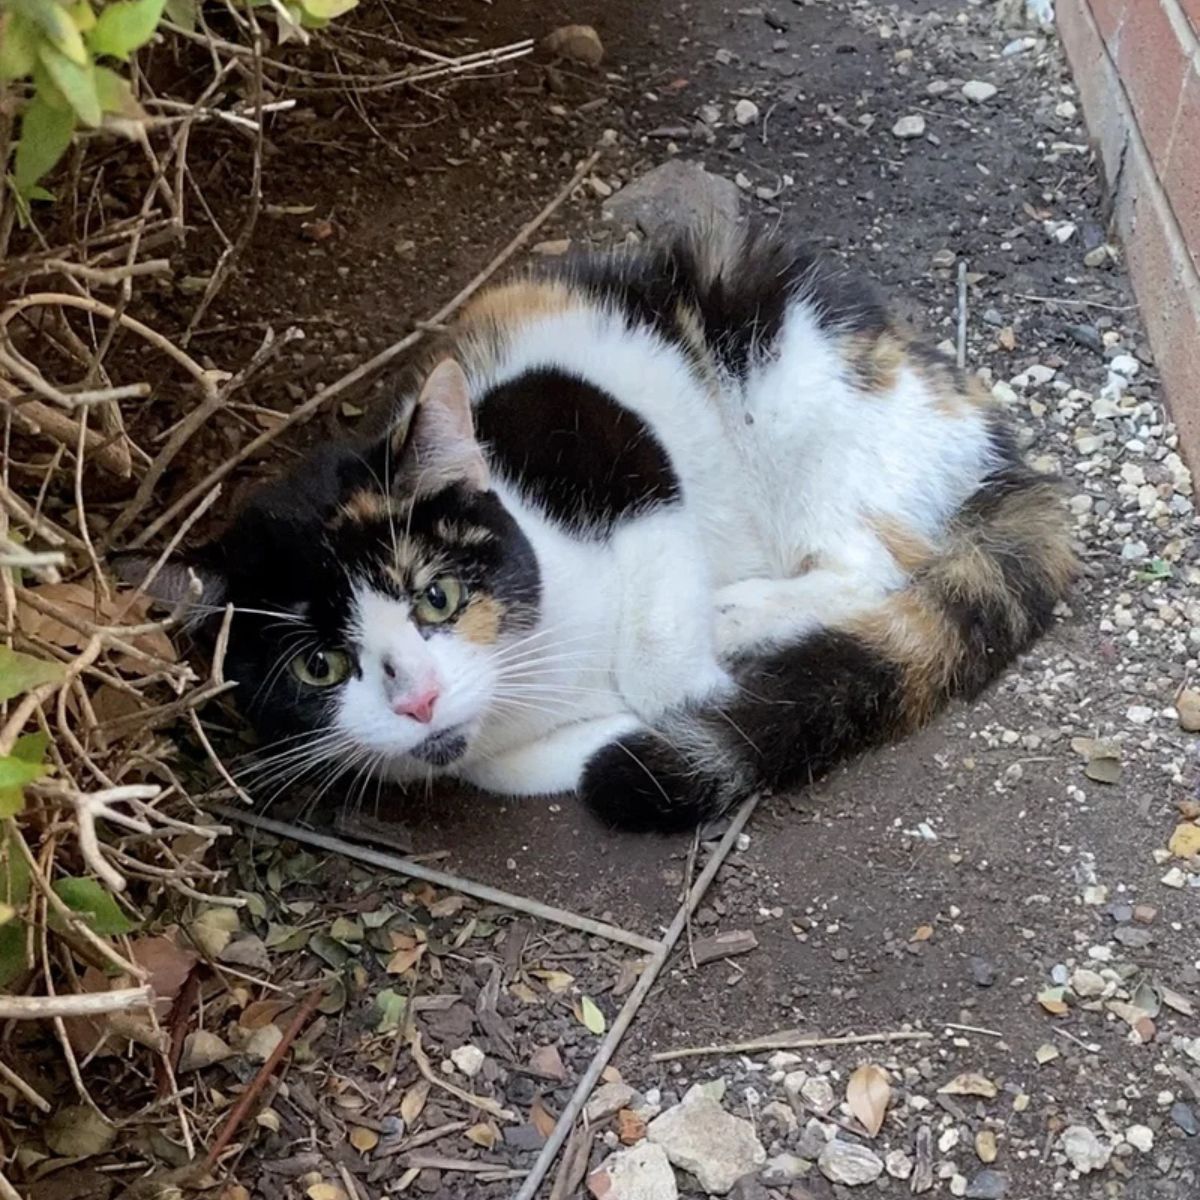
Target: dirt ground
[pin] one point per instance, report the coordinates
(951, 880)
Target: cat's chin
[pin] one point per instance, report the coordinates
(441, 749)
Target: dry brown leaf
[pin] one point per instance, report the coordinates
(262, 1012)
(868, 1093)
(402, 941)
(413, 1103)
(556, 982)
(269, 1119)
(546, 1060)
(922, 934)
(540, 1117)
(631, 1127)
(79, 602)
(485, 1134)
(363, 1139)
(970, 1083)
(448, 906)
(405, 960)
(325, 1191)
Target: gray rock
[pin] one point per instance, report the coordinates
(1084, 1150)
(812, 1140)
(909, 127)
(641, 1173)
(784, 1169)
(1133, 937)
(1184, 1118)
(606, 1100)
(700, 1137)
(978, 91)
(1087, 984)
(988, 1185)
(849, 1163)
(676, 195)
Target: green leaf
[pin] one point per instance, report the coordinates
(18, 46)
(95, 902)
(184, 13)
(124, 26)
(116, 96)
(14, 961)
(22, 766)
(55, 22)
(391, 1007)
(83, 15)
(23, 672)
(591, 1015)
(14, 873)
(76, 83)
(326, 10)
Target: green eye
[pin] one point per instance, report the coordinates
(321, 668)
(439, 601)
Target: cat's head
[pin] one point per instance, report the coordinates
(376, 591)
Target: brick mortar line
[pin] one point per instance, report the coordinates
(1158, 193)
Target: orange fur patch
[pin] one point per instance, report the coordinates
(366, 506)
(479, 622)
(876, 360)
(909, 549)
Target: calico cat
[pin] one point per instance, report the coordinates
(661, 528)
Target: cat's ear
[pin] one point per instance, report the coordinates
(438, 446)
(193, 586)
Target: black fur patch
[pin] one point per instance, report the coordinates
(588, 461)
(742, 311)
(641, 783)
(801, 709)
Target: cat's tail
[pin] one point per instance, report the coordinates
(968, 610)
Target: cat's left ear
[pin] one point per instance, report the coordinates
(438, 446)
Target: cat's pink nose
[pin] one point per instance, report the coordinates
(418, 705)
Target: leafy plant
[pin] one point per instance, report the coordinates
(64, 51)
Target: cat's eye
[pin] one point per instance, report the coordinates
(321, 668)
(439, 601)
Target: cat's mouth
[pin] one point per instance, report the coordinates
(441, 748)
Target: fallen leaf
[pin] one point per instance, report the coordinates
(269, 1119)
(541, 1118)
(78, 1131)
(1103, 770)
(1181, 1004)
(556, 982)
(213, 928)
(985, 1146)
(970, 1083)
(364, 1140)
(485, 1134)
(1051, 999)
(262, 1042)
(262, 1012)
(591, 1016)
(405, 960)
(318, 231)
(448, 906)
(202, 1049)
(923, 933)
(391, 1007)
(523, 992)
(413, 1103)
(868, 1093)
(346, 930)
(1185, 841)
(325, 1191)
(631, 1127)
(1045, 1053)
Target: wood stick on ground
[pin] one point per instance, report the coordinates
(246, 1100)
(650, 972)
(961, 347)
(84, 1004)
(373, 365)
(791, 1043)
(415, 870)
(26, 1089)
(480, 1102)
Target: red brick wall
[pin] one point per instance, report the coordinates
(1137, 64)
